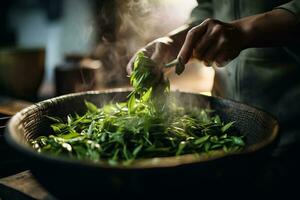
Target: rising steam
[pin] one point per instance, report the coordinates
(124, 26)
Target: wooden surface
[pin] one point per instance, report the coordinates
(22, 186)
(10, 107)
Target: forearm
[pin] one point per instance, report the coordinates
(278, 27)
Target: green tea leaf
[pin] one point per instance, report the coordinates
(207, 146)
(238, 141)
(131, 104)
(201, 139)
(137, 150)
(180, 148)
(227, 127)
(54, 119)
(91, 107)
(147, 95)
(91, 128)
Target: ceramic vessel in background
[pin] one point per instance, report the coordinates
(21, 72)
(77, 74)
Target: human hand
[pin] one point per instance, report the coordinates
(213, 42)
(160, 51)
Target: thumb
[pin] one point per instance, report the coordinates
(160, 53)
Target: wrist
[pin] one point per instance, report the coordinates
(245, 32)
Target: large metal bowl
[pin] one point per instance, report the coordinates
(68, 178)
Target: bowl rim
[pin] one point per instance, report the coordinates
(149, 163)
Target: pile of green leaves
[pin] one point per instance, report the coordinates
(139, 128)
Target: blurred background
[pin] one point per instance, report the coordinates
(54, 47)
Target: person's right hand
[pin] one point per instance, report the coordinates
(161, 50)
(214, 41)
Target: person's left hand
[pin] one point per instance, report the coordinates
(213, 41)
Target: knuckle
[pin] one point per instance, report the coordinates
(212, 37)
(215, 32)
(192, 32)
(217, 28)
(223, 42)
(209, 21)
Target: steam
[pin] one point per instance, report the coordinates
(124, 26)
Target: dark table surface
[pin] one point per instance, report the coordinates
(15, 181)
(10, 162)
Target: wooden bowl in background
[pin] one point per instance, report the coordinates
(21, 72)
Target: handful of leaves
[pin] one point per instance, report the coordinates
(143, 127)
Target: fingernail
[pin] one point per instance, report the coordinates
(180, 66)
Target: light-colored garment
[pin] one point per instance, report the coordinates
(268, 78)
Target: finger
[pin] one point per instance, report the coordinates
(129, 66)
(211, 53)
(159, 56)
(160, 53)
(193, 35)
(210, 39)
(201, 46)
(210, 56)
(148, 50)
